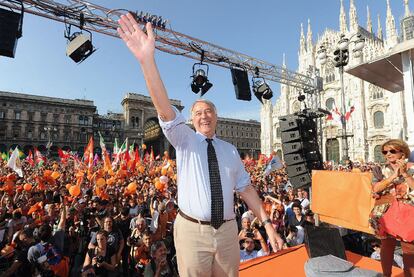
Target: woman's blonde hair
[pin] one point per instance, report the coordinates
(398, 144)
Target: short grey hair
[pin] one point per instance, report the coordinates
(202, 100)
(140, 219)
(155, 246)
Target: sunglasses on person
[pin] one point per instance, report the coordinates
(392, 151)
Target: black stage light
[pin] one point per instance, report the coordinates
(200, 79)
(79, 47)
(261, 89)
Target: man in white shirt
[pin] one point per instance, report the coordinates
(303, 198)
(209, 170)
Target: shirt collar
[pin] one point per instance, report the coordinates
(202, 137)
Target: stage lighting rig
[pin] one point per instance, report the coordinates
(156, 21)
(79, 45)
(260, 88)
(200, 77)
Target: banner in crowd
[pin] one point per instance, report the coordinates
(343, 198)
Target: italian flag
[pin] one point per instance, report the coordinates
(350, 111)
(335, 114)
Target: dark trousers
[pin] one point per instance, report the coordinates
(387, 256)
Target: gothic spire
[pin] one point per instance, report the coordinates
(342, 19)
(353, 18)
(369, 22)
(407, 8)
(309, 43)
(302, 40)
(379, 35)
(391, 31)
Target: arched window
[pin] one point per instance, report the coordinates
(81, 120)
(379, 120)
(332, 150)
(378, 157)
(133, 121)
(330, 104)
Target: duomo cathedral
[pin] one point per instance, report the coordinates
(374, 114)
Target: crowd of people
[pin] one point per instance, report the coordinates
(60, 219)
(106, 218)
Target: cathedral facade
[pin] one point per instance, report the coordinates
(374, 114)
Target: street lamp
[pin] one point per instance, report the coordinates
(140, 134)
(341, 59)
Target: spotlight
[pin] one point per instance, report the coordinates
(79, 47)
(156, 21)
(200, 80)
(261, 89)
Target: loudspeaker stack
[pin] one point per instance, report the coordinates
(300, 148)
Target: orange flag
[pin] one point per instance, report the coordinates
(88, 155)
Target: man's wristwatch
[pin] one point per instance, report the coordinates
(266, 222)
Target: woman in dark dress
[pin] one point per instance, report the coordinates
(101, 260)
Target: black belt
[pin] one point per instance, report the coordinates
(196, 220)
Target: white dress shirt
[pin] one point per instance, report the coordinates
(193, 184)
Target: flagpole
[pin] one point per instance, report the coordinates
(343, 120)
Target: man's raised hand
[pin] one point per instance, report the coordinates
(142, 45)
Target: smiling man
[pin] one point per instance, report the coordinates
(209, 170)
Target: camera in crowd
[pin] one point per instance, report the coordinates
(100, 259)
(135, 241)
(249, 234)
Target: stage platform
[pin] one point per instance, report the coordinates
(291, 262)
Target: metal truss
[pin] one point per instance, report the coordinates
(102, 20)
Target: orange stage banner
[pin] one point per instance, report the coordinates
(342, 198)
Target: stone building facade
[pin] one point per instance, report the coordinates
(244, 134)
(29, 121)
(378, 114)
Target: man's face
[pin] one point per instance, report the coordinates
(161, 253)
(140, 225)
(249, 244)
(297, 210)
(204, 119)
(147, 241)
(108, 224)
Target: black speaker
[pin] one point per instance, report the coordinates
(321, 241)
(300, 181)
(10, 31)
(241, 84)
(300, 148)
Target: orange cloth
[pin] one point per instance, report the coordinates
(343, 198)
(291, 262)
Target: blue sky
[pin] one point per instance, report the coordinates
(263, 29)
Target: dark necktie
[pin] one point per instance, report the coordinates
(215, 187)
